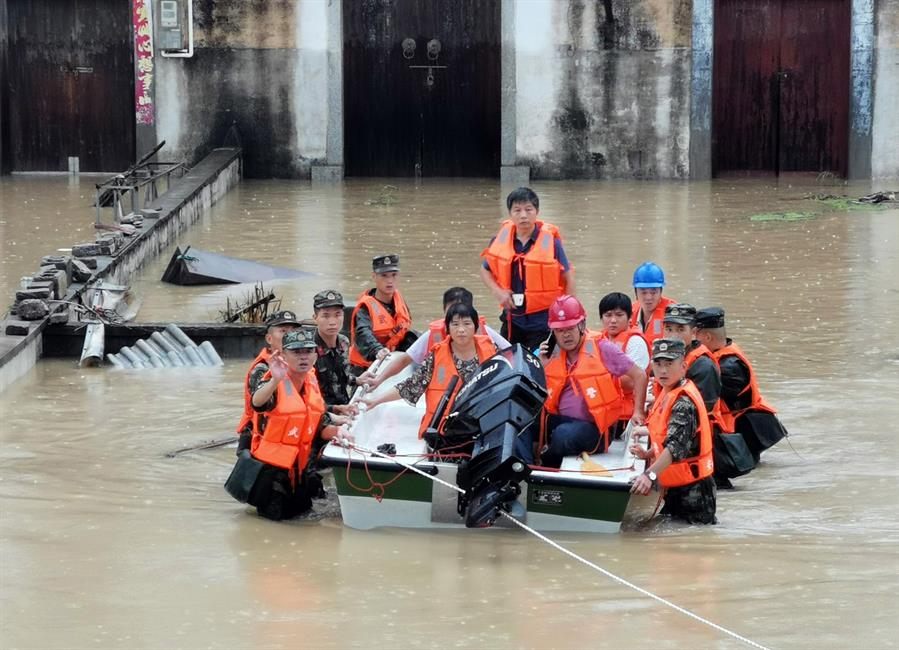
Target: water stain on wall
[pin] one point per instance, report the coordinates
(622, 96)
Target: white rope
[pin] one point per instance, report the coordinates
(575, 556)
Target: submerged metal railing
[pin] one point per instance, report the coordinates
(137, 185)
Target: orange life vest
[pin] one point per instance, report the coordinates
(290, 427)
(539, 268)
(689, 470)
(249, 414)
(437, 331)
(589, 378)
(758, 403)
(389, 330)
(444, 371)
(621, 340)
(654, 328)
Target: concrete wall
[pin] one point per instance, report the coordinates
(264, 65)
(885, 145)
(603, 88)
(591, 88)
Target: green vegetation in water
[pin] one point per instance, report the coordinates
(385, 197)
(783, 216)
(830, 203)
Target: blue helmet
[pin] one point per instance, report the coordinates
(649, 275)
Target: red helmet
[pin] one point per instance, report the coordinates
(566, 311)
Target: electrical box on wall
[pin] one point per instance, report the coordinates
(174, 27)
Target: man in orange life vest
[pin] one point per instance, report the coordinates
(380, 322)
(679, 457)
(743, 409)
(291, 413)
(277, 325)
(584, 400)
(437, 332)
(525, 268)
(649, 308)
(615, 313)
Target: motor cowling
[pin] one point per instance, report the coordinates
(502, 399)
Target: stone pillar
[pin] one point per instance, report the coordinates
(703, 46)
(333, 170)
(511, 173)
(861, 82)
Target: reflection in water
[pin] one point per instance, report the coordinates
(107, 543)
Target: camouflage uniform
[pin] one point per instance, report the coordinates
(694, 503)
(333, 370)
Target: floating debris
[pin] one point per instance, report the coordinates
(255, 308)
(385, 197)
(193, 266)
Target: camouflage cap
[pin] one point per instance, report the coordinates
(385, 263)
(681, 314)
(282, 318)
(710, 318)
(300, 339)
(327, 298)
(668, 349)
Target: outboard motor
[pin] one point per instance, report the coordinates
(493, 408)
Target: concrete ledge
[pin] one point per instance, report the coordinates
(230, 340)
(514, 175)
(327, 173)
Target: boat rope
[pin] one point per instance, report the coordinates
(571, 554)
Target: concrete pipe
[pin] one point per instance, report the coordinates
(193, 356)
(212, 356)
(172, 351)
(155, 361)
(94, 340)
(157, 350)
(129, 354)
(176, 333)
(117, 361)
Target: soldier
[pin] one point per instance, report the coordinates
(680, 455)
(291, 414)
(702, 369)
(277, 325)
(380, 322)
(743, 409)
(333, 364)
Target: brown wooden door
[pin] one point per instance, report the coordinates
(781, 85)
(71, 81)
(409, 112)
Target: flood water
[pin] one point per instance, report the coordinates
(105, 543)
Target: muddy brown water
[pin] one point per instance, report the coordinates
(105, 543)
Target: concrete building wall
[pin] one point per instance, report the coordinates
(603, 88)
(262, 65)
(885, 141)
(591, 88)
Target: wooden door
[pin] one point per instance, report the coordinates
(413, 111)
(71, 81)
(781, 85)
